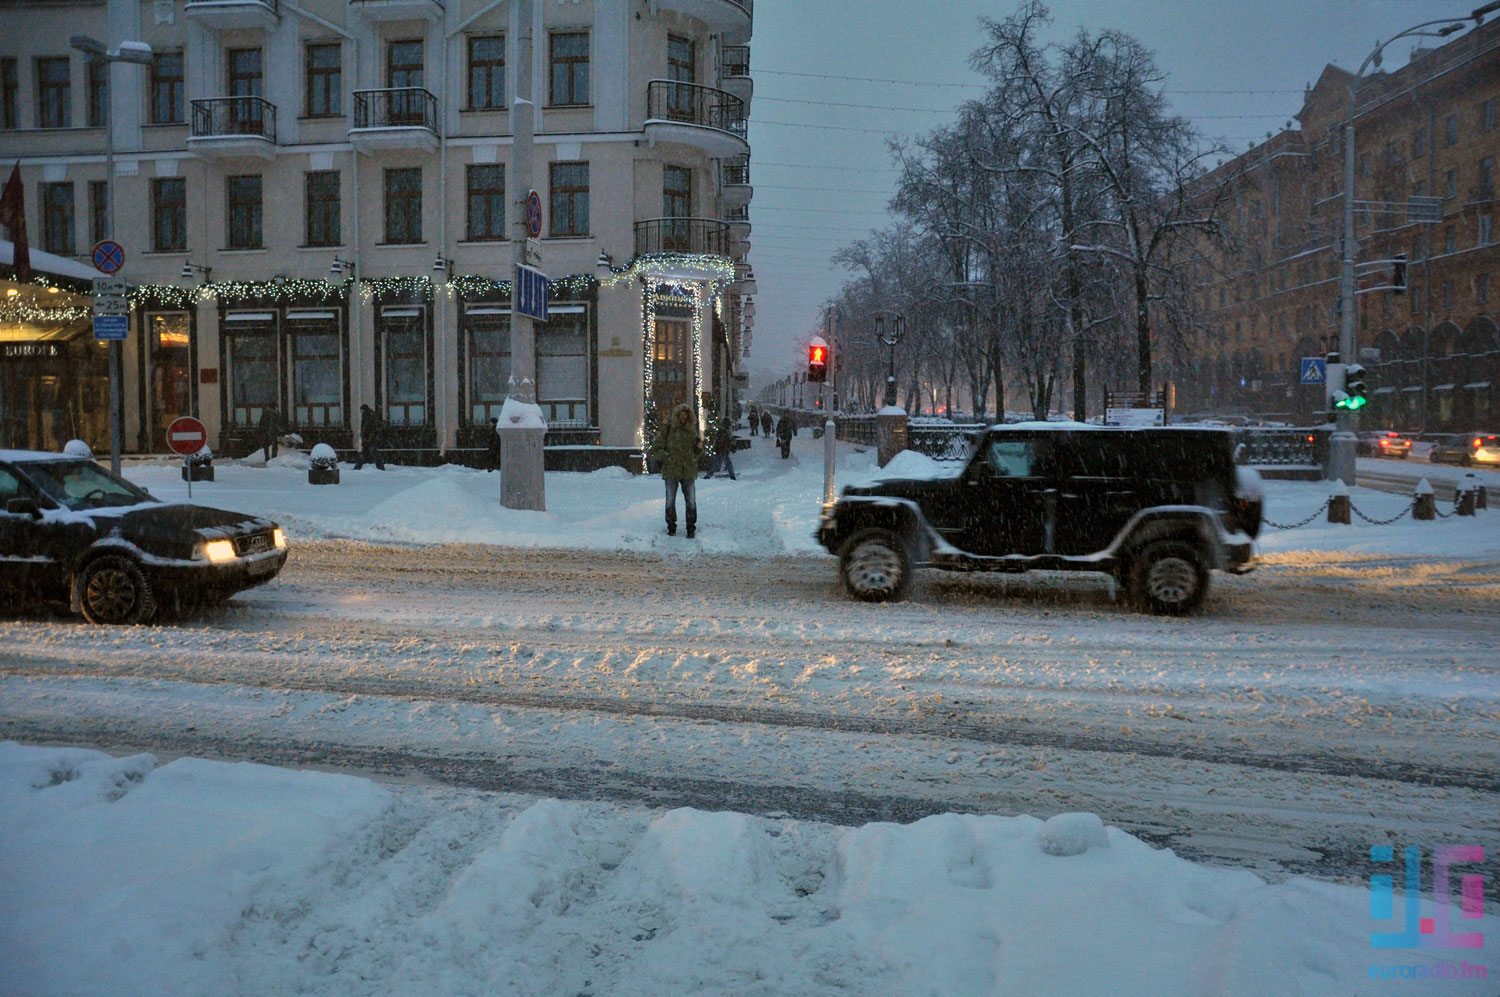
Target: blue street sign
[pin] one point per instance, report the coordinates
(530, 292)
(1314, 370)
(109, 256)
(111, 327)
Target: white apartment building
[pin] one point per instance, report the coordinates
(314, 203)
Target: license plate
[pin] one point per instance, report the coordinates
(262, 567)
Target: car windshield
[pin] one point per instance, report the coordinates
(82, 484)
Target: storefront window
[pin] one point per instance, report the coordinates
(487, 344)
(171, 372)
(251, 342)
(404, 355)
(317, 369)
(562, 358)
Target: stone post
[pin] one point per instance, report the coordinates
(890, 433)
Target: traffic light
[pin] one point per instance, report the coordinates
(1398, 273)
(1356, 395)
(1333, 372)
(817, 361)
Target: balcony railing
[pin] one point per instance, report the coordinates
(734, 60)
(1480, 194)
(229, 117)
(695, 104)
(395, 107)
(735, 172)
(707, 236)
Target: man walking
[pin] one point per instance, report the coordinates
(723, 450)
(371, 431)
(676, 449)
(270, 430)
(754, 420)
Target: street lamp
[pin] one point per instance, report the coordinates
(890, 334)
(140, 54)
(1341, 449)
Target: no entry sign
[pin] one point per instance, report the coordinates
(186, 435)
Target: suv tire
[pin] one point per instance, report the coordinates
(113, 589)
(1168, 577)
(875, 566)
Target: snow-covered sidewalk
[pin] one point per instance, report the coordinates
(124, 876)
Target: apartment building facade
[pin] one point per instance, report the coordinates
(316, 204)
(1426, 147)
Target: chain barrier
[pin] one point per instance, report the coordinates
(1381, 522)
(1292, 526)
(1447, 515)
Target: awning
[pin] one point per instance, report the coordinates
(1476, 385)
(1442, 387)
(48, 263)
(52, 332)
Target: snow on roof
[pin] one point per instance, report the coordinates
(29, 456)
(49, 263)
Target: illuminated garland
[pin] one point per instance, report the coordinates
(14, 312)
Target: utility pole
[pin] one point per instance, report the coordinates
(522, 428)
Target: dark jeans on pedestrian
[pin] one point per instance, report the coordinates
(270, 445)
(721, 459)
(370, 453)
(689, 488)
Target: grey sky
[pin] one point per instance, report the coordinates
(822, 175)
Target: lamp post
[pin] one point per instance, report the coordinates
(1341, 451)
(890, 334)
(139, 53)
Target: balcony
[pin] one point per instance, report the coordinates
(730, 18)
(734, 71)
(739, 223)
(665, 247)
(691, 114)
(229, 127)
(1482, 194)
(228, 15)
(394, 118)
(397, 10)
(734, 182)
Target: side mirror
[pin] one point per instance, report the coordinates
(23, 507)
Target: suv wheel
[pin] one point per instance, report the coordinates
(115, 590)
(1168, 577)
(875, 566)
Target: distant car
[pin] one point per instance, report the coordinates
(1155, 508)
(73, 533)
(1383, 443)
(1465, 449)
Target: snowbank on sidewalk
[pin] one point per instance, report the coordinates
(126, 877)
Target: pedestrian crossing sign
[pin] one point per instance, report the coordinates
(1314, 370)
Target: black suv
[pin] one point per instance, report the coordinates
(1155, 508)
(71, 532)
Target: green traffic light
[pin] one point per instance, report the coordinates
(1352, 404)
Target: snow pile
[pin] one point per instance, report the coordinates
(123, 877)
(911, 465)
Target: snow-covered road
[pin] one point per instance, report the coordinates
(1321, 703)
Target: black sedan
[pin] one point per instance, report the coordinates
(71, 532)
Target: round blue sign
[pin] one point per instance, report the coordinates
(534, 214)
(109, 256)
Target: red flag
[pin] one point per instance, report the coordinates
(13, 216)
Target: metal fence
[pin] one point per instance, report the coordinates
(1303, 448)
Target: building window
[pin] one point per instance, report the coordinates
(569, 57)
(682, 66)
(57, 218)
(245, 77)
(10, 89)
(1487, 114)
(404, 355)
(325, 80)
(322, 211)
(403, 205)
(167, 89)
(1419, 143)
(677, 204)
(250, 343)
(54, 93)
(1450, 129)
(98, 91)
(562, 366)
(1482, 288)
(98, 210)
(404, 70)
(486, 72)
(1485, 235)
(570, 199)
(244, 212)
(1487, 178)
(1450, 183)
(486, 203)
(317, 386)
(169, 215)
(1447, 295)
(1450, 239)
(487, 345)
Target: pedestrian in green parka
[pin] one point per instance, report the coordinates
(676, 449)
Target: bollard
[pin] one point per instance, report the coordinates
(1481, 497)
(1463, 502)
(324, 469)
(1471, 485)
(1424, 502)
(1338, 504)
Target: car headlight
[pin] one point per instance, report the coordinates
(278, 538)
(219, 550)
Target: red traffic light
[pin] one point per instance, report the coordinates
(817, 354)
